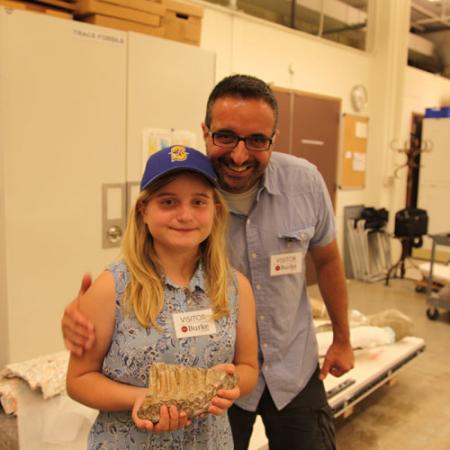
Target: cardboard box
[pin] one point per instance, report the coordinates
(149, 6)
(438, 112)
(123, 9)
(60, 4)
(124, 25)
(182, 22)
(33, 7)
(183, 8)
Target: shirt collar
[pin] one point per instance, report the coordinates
(197, 280)
(270, 180)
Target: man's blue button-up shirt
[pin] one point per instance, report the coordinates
(292, 212)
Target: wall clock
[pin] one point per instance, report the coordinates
(358, 97)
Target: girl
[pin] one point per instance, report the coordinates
(174, 270)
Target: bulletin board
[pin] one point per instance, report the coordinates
(352, 174)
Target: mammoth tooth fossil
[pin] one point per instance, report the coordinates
(190, 389)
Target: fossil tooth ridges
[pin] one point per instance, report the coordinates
(190, 389)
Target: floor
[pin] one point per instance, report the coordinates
(8, 432)
(414, 412)
(411, 414)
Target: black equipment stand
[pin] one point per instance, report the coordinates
(407, 244)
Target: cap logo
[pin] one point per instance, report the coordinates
(178, 153)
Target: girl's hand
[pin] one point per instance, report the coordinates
(142, 424)
(169, 418)
(225, 397)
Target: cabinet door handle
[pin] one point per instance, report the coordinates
(114, 234)
(113, 214)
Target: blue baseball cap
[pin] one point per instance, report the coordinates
(177, 158)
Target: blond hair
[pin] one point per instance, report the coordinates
(144, 293)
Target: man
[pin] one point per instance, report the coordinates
(280, 209)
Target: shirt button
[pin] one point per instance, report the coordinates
(265, 345)
(248, 221)
(261, 317)
(254, 255)
(258, 286)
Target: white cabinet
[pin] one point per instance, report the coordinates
(434, 178)
(169, 90)
(74, 99)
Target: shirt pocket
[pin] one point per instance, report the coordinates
(295, 240)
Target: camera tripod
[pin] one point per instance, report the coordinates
(400, 266)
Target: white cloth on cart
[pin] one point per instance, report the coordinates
(47, 418)
(360, 337)
(54, 424)
(371, 331)
(45, 373)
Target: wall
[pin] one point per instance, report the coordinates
(422, 90)
(389, 63)
(4, 313)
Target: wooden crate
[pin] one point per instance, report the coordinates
(50, 7)
(149, 6)
(68, 5)
(140, 11)
(182, 22)
(124, 25)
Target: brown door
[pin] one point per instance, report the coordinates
(309, 128)
(285, 101)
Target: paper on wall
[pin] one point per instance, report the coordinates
(154, 139)
(361, 130)
(359, 162)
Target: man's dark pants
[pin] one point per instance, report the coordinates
(306, 423)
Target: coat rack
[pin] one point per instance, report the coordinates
(410, 153)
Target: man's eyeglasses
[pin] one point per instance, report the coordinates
(254, 142)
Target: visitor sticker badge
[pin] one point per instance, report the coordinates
(286, 263)
(194, 323)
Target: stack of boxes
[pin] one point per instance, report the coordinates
(142, 16)
(58, 8)
(170, 19)
(182, 22)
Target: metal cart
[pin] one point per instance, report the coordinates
(434, 300)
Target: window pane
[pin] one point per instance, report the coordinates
(220, 2)
(429, 39)
(271, 10)
(343, 21)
